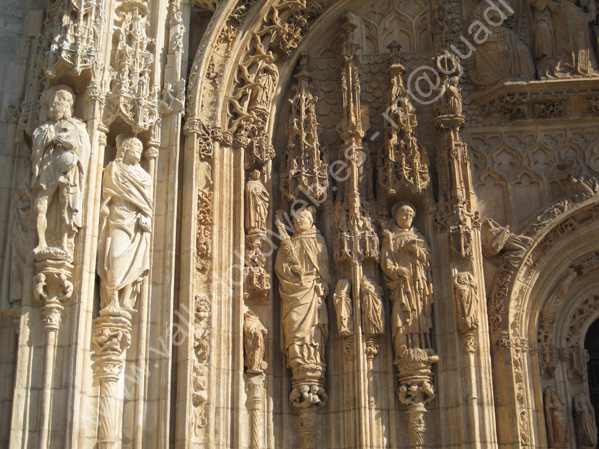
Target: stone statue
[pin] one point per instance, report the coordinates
(575, 181)
(586, 425)
(343, 307)
(498, 239)
(373, 319)
(563, 39)
(256, 204)
(466, 295)
(555, 417)
(60, 156)
(405, 261)
(302, 266)
(126, 223)
(254, 334)
(450, 101)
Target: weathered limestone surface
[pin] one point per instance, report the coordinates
(298, 223)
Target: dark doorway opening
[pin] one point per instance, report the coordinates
(591, 344)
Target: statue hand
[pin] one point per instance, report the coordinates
(321, 289)
(105, 212)
(145, 223)
(297, 269)
(403, 272)
(62, 139)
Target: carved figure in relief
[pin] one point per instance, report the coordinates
(502, 56)
(373, 319)
(60, 156)
(584, 417)
(498, 239)
(256, 203)
(556, 419)
(19, 244)
(405, 261)
(467, 298)
(343, 307)
(562, 39)
(575, 181)
(126, 222)
(302, 266)
(254, 335)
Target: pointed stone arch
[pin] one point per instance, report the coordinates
(521, 299)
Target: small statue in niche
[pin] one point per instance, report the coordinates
(60, 156)
(498, 239)
(126, 222)
(450, 101)
(373, 319)
(555, 417)
(466, 295)
(586, 425)
(256, 204)
(343, 307)
(254, 335)
(302, 266)
(405, 261)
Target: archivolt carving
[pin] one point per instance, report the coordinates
(201, 359)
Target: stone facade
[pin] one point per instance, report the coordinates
(298, 223)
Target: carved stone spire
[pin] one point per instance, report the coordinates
(303, 172)
(404, 162)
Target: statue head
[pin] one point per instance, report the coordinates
(128, 149)
(404, 214)
(303, 220)
(61, 99)
(255, 175)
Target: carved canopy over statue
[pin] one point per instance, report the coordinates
(60, 156)
(302, 266)
(126, 211)
(405, 260)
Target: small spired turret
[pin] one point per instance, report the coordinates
(303, 167)
(404, 165)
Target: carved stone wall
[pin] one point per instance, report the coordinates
(255, 224)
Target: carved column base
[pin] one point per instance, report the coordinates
(414, 372)
(111, 337)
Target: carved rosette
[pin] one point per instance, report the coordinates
(403, 165)
(303, 171)
(414, 373)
